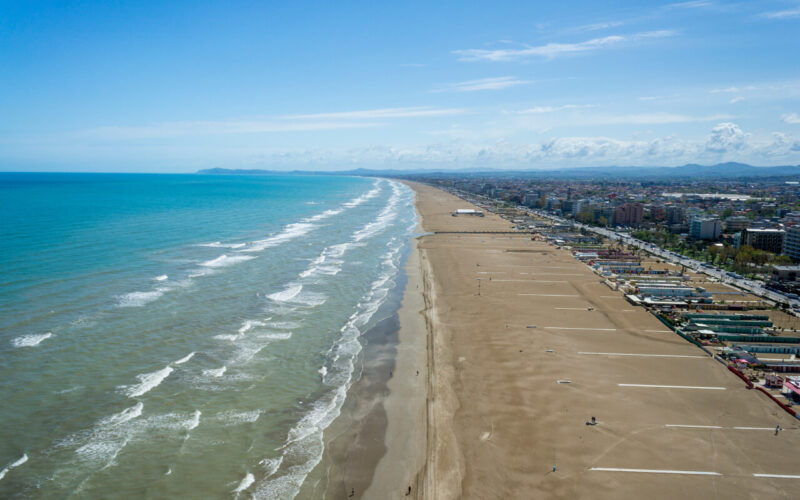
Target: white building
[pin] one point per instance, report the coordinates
(791, 242)
(705, 229)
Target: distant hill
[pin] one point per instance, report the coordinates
(730, 170)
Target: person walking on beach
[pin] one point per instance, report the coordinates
(778, 429)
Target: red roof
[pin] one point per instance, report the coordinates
(792, 387)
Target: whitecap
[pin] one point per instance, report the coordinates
(290, 232)
(248, 480)
(226, 260)
(13, 465)
(123, 416)
(163, 277)
(385, 217)
(364, 197)
(148, 381)
(249, 325)
(304, 441)
(30, 340)
(185, 358)
(237, 417)
(310, 299)
(138, 299)
(226, 337)
(246, 353)
(195, 420)
(218, 244)
(215, 372)
(288, 294)
(324, 215)
(285, 325)
(271, 465)
(279, 336)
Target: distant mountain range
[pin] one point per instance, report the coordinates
(730, 170)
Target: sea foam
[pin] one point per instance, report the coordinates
(226, 260)
(148, 381)
(123, 416)
(304, 441)
(290, 232)
(138, 299)
(287, 294)
(30, 340)
(248, 480)
(215, 372)
(185, 358)
(13, 465)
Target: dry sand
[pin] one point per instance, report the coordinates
(497, 420)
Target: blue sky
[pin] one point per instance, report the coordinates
(177, 86)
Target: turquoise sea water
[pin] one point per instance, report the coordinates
(183, 336)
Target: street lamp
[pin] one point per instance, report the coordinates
(479, 286)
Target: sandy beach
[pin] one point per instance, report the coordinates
(508, 379)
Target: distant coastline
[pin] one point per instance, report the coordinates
(730, 171)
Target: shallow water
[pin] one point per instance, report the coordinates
(183, 336)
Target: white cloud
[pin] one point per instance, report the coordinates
(498, 83)
(781, 14)
(725, 137)
(736, 99)
(781, 145)
(649, 98)
(726, 142)
(552, 50)
(792, 118)
(552, 109)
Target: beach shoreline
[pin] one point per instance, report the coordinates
(367, 449)
(405, 438)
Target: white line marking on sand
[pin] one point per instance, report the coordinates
(492, 272)
(694, 426)
(778, 476)
(531, 281)
(674, 387)
(548, 268)
(571, 328)
(658, 471)
(720, 427)
(544, 295)
(644, 355)
(556, 274)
